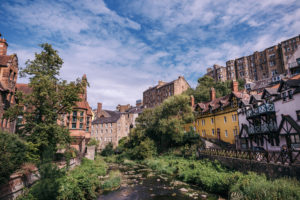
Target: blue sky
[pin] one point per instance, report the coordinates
(125, 46)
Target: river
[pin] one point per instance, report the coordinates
(140, 183)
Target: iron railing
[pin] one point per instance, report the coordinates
(262, 109)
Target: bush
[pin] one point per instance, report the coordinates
(108, 150)
(93, 142)
(12, 155)
(112, 182)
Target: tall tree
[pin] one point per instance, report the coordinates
(50, 96)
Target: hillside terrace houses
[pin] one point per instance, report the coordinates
(111, 126)
(271, 119)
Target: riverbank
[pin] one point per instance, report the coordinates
(141, 182)
(214, 178)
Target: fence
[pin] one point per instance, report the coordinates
(276, 157)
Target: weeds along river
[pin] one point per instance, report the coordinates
(141, 183)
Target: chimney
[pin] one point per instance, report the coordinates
(235, 86)
(192, 100)
(99, 109)
(212, 94)
(3, 46)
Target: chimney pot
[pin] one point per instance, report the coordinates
(192, 101)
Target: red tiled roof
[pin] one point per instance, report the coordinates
(23, 87)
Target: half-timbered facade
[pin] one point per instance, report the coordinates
(272, 118)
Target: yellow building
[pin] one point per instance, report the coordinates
(218, 118)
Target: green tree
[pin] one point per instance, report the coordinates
(50, 97)
(162, 126)
(205, 83)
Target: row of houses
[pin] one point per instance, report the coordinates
(269, 120)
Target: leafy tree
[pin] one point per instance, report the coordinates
(162, 126)
(50, 97)
(205, 83)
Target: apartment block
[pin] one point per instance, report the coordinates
(156, 95)
(271, 63)
(217, 72)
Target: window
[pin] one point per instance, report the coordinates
(213, 131)
(105, 125)
(212, 120)
(235, 132)
(298, 61)
(234, 117)
(225, 119)
(110, 130)
(203, 133)
(226, 133)
(203, 122)
(81, 125)
(73, 125)
(298, 114)
(81, 113)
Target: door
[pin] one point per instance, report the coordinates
(219, 134)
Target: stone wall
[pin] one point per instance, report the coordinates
(269, 169)
(19, 181)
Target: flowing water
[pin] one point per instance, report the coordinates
(140, 183)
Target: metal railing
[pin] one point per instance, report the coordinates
(275, 157)
(264, 108)
(264, 128)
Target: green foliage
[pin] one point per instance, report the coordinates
(212, 177)
(13, 153)
(81, 183)
(49, 98)
(93, 142)
(205, 83)
(112, 182)
(108, 150)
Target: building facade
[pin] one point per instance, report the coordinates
(217, 72)
(272, 119)
(8, 78)
(111, 126)
(267, 64)
(154, 96)
(218, 118)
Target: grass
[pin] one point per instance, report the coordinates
(214, 178)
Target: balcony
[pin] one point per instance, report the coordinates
(264, 128)
(260, 110)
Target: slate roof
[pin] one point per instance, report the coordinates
(114, 116)
(292, 83)
(135, 110)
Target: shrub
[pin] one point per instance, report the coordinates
(93, 142)
(12, 155)
(108, 150)
(112, 182)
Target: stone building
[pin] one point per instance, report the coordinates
(217, 72)
(156, 95)
(271, 63)
(8, 78)
(111, 126)
(294, 63)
